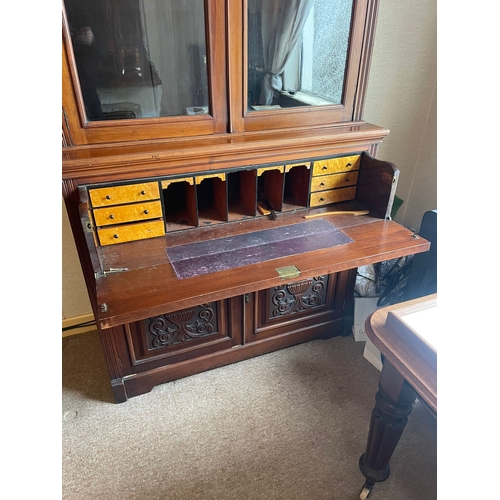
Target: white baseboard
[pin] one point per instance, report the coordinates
(76, 320)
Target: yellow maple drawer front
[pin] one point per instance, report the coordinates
(333, 196)
(127, 213)
(130, 232)
(324, 182)
(117, 195)
(333, 165)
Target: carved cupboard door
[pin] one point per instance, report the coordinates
(315, 306)
(181, 335)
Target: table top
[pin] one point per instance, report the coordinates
(406, 334)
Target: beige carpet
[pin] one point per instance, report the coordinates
(289, 425)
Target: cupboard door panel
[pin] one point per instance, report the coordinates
(183, 335)
(294, 306)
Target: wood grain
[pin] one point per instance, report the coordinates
(133, 295)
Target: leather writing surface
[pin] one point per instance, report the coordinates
(251, 248)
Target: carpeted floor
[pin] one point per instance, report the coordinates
(289, 425)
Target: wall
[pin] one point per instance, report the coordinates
(75, 301)
(401, 96)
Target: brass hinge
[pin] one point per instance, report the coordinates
(111, 270)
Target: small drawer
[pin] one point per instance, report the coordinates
(127, 213)
(130, 232)
(118, 195)
(332, 196)
(334, 165)
(324, 182)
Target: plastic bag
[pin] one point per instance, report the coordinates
(391, 279)
(366, 281)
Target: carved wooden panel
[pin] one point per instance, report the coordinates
(298, 296)
(181, 335)
(299, 307)
(181, 326)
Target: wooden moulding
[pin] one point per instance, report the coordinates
(131, 160)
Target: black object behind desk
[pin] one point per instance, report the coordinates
(423, 274)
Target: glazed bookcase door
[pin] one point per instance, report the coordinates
(253, 113)
(137, 70)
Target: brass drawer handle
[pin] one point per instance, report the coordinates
(115, 236)
(325, 167)
(143, 192)
(146, 212)
(108, 197)
(349, 165)
(322, 184)
(347, 179)
(321, 199)
(111, 216)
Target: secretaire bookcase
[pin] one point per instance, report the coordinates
(221, 185)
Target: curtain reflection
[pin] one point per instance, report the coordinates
(297, 52)
(282, 25)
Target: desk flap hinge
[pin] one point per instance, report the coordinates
(111, 270)
(288, 272)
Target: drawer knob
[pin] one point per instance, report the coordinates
(108, 197)
(322, 184)
(111, 216)
(143, 192)
(349, 165)
(325, 167)
(321, 199)
(347, 179)
(146, 212)
(115, 236)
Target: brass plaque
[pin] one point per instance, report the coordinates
(288, 272)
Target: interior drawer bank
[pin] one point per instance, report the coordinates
(144, 209)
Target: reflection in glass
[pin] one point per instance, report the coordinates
(297, 52)
(140, 58)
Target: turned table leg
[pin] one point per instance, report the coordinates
(393, 403)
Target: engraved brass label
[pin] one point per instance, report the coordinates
(288, 272)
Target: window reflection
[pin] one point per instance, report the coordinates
(297, 52)
(140, 58)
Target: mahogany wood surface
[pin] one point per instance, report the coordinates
(403, 352)
(150, 286)
(176, 156)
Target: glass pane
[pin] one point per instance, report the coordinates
(140, 58)
(297, 52)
